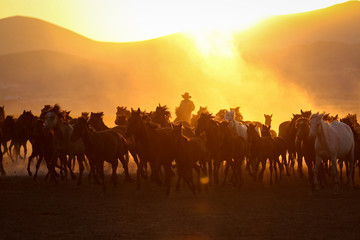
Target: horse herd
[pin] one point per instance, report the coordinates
(201, 147)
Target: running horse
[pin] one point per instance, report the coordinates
(333, 141)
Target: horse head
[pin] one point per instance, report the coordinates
(203, 123)
(315, 124)
(79, 128)
(229, 115)
(268, 119)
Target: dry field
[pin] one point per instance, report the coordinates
(286, 210)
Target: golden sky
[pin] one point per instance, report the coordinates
(134, 20)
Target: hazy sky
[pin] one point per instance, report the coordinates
(132, 20)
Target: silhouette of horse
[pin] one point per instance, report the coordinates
(122, 116)
(348, 120)
(100, 146)
(287, 131)
(328, 118)
(62, 144)
(261, 149)
(305, 147)
(22, 132)
(8, 130)
(153, 145)
(195, 117)
(221, 145)
(332, 141)
(234, 149)
(41, 148)
(279, 149)
(161, 116)
(268, 123)
(97, 123)
(190, 154)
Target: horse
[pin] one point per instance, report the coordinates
(305, 147)
(332, 141)
(122, 116)
(234, 150)
(195, 117)
(8, 130)
(41, 148)
(268, 123)
(100, 146)
(190, 154)
(161, 116)
(236, 126)
(97, 123)
(153, 145)
(63, 146)
(279, 148)
(288, 132)
(21, 134)
(261, 149)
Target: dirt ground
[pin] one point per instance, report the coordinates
(285, 210)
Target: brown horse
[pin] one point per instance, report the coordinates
(280, 149)
(261, 149)
(161, 116)
(190, 154)
(8, 131)
(287, 131)
(22, 132)
(268, 119)
(101, 146)
(154, 146)
(122, 116)
(195, 117)
(234, 149)
(305, 147)
(97, 123)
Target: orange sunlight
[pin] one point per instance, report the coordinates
(135, 20)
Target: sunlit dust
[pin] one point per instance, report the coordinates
(204, 180)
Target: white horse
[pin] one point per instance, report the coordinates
(239, 128)
(332, 141)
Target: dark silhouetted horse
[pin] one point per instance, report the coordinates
(153, 145)
(100, 146)
(261, 149)
(190, 154)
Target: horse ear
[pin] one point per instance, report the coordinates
(271, 115)
(301, 111)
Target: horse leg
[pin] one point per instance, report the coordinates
(316, 168)
(351, 166)
(227, 165)
(300, 160)
(100, 169)
(80, 158)
(38, 166)
(125, 164)
(25, 150)
(263, 166)
(168, 173)
(68, 162)
(114, 165)
(341, 164)
(29, 162)
(271, 170)
(335, 175)
(2, 171)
